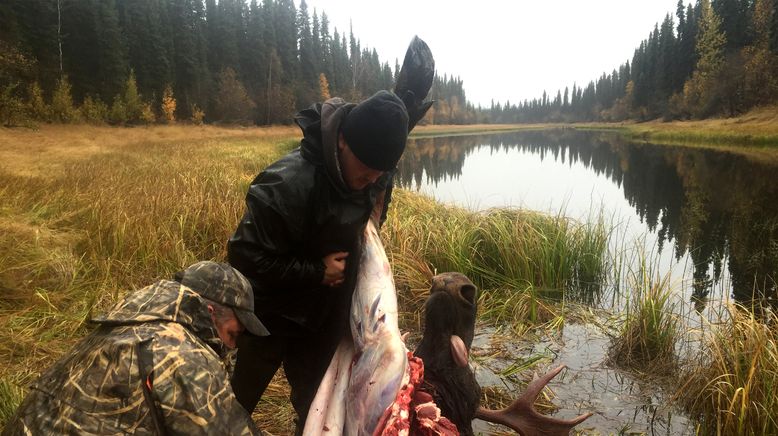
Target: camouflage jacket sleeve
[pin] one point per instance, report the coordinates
(193, 393)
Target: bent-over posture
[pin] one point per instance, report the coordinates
(152, 365)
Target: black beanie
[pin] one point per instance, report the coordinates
(376, 130)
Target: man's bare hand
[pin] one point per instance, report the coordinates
(335, 265)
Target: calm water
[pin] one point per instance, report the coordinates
(709, 218)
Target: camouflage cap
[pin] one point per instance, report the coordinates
(225, 285)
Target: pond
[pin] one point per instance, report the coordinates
(709, 218)
(706, 218)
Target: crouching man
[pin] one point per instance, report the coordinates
(153, 364)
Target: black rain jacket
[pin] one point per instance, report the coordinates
(298, 210)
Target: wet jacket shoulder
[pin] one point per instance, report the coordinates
(298, 210)
(146, 369)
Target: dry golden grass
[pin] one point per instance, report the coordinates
(467, 129)
(759, 121)
(29, 151)
(730, 387)
(753, 134)
(90, 213)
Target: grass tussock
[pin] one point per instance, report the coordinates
(515, 257)
(730, 387)
(650, 330)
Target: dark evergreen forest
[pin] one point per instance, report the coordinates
(711, 58)
(232, 61)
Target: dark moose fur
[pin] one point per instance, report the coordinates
(450, 310)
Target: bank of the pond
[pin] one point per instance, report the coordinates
(755, 131)
(432, 130)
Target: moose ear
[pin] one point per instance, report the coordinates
(468, 292)
(459, 351)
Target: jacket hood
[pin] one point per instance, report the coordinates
(164, 301)
(321, 125)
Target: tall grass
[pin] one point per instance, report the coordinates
(730, 386)
(88, 214)
(515, 256)
(651, 328)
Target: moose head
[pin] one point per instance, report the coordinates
(450, 314)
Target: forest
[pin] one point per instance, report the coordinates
(258, 62)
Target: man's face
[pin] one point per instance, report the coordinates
(228, 328)
(356, 174)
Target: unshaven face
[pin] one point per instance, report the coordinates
(228, 328)
(356, 174)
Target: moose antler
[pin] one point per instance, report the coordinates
(522, 417)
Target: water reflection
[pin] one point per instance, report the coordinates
(719, 208)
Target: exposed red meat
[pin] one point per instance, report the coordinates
(414, 412)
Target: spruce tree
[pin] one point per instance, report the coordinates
(686, 44)
(212, 27)
(112, 57)
(148, 48)
(285, 17)
(254, 58)
(734, 22)
(131, 100)
(190, 72)
(316, 43)
(228, 31)
(667, 60)
(308, 73)
(62, 108)
(79, 45)
(35, 24)
(701, 95)
(761, 64)
(327, 59)
(355, 63)
(774, 29)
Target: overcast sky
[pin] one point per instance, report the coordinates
(505, 49)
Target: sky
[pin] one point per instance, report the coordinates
(506, 50)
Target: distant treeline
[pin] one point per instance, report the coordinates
(123, 61)
(141, 61)
(719, 58)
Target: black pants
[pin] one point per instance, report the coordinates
(305, 360)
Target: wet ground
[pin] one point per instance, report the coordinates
(621, 404)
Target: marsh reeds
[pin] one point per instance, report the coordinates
(730, 386)
(650, 327)
(519, 259)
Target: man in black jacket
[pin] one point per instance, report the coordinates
(299, 240)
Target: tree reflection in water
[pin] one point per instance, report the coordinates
(717, 206)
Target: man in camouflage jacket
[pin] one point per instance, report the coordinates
(151, 366)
